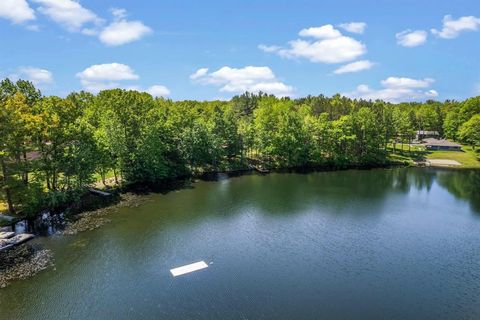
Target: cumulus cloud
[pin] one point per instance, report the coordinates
(105, 76)
(239, 80)
(354, 27)
(409, 38)
(452, 28)
(354, 67)
(113, 75)
(402, 82)
(68, 13)
(76, 18)
(108, 71)
(158, 91)
(199, 73)
(327, 46)
(155, 90)
(324, 32)
(122, 31)
(39, 77)
(17, 11)
(397, 89)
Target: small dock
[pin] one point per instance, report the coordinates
(259, 169)
(262, 170)
(100, 192)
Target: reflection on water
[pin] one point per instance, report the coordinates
(369, 244)
(463, 185)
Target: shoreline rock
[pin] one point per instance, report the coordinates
(23, 262)
(91, 220)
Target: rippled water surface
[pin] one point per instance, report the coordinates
(377, 244)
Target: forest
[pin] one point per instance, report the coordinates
(53, 148)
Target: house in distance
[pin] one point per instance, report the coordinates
(441, 144)
(422, 134)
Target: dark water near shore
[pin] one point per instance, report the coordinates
(376, 244)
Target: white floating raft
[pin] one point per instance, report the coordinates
(188, 268)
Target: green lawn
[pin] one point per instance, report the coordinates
(406, 154)
(466, 157)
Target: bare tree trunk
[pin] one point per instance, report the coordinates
(103, 178)
(8, 193)
(115, 175)
(47, 179)
(25, 170)
(54, 180)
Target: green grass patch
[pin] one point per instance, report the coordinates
(467, 157)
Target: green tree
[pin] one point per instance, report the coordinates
(469, 132)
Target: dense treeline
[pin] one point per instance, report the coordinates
(51, 148)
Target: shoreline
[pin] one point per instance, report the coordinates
(90, 204)
(22, 262)
(27, 260)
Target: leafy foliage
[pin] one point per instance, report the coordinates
(52, 148)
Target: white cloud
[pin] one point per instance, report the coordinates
(199, 73)
(105, 76)
(155, 90)
(396, 89)
(354, 67)
(119, 13)
(108, 71)
(268, 49)
(401, 82)
(68, 13)
(122, 31)
(409, 38)
(96, 86)
(239, 80)
(17, 11)
(354, 27)
(452, 28)
(111, 75)
(324, 32)
(329, 46)
(76, 18)
(158, 91)
(39, 77)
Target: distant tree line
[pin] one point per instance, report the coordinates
(51, 148)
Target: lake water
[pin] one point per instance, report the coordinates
(373, 244)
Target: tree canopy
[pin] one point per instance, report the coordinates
(52, 148)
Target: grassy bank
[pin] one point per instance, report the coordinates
(466, 157)
(402, 155)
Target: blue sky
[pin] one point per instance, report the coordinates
(290, 48)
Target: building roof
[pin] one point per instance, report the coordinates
(441, 143)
